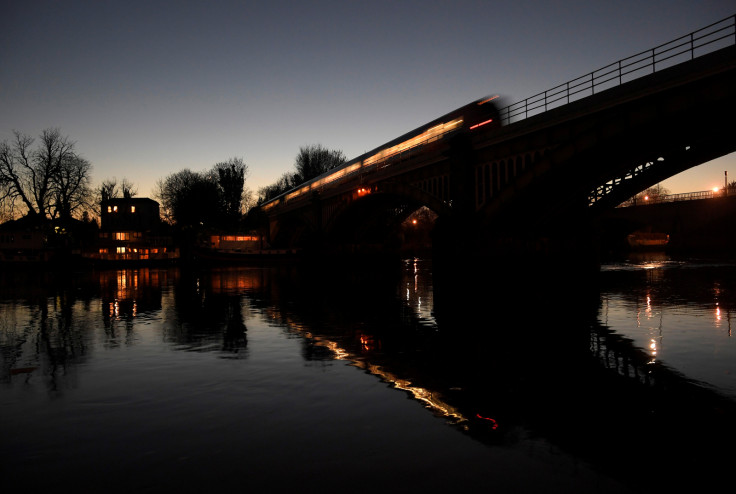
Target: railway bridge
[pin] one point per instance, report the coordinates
(534, 175)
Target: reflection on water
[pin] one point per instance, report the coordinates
(287, 377)
(678, 312)
(643, 260)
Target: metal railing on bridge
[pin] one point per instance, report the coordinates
(705, 40)
(687, 196)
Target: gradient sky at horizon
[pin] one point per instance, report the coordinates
(148, 88)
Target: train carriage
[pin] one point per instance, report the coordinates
(467, 118)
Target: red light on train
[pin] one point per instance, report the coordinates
(488, 99)
(494, 424)
(480, 124)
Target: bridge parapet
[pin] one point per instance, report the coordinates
(703, 41)
(685, 196)
(558, 163)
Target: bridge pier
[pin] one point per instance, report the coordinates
(515, 259)
(702, 226)
(520, 197)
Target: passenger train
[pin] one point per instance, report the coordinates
(466, 118)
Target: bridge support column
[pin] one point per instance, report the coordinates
(463, 247)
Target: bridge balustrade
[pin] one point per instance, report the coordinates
(513, 172)
(685, 196)
(705, 40)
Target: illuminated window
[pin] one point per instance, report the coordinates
(109, 209)
(115, 209)
(238, 238)
(121, 250)
(122, 235)
(103, 251)
(132, 209)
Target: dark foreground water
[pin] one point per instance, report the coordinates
(284, 379)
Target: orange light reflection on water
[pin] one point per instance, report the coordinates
(429, 398)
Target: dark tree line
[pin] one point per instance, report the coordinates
(312, 161)
(212, 198)
(50, 180)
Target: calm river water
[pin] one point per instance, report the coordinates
(285, 378)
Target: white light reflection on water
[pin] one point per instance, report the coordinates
(248, 376)
(678, 311)
(638, 261)
(150, 395)
(419, 291)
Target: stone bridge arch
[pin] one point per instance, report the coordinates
(374, 218)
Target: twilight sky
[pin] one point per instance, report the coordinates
(148, 88)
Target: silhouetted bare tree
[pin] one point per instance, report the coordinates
(212, 198)
(231, 179)
(169, 190)
(48, 180)
(71, 188)
(285, 182)
(127, 188)
(652, 194)
(314, 160)
(311, 162)
(109, 189)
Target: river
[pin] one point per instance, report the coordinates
(367, 379)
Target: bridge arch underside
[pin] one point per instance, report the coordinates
(370, 223)
(603, 150)
(373, 223)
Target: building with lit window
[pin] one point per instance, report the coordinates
(237, 243)
(19, 243)
(131, 230)
(234, 247)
